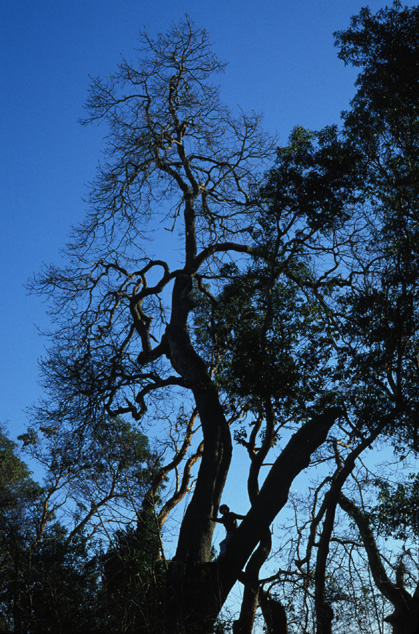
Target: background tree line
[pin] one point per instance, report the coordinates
(226, 292)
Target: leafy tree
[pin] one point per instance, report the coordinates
(57, 579)
(94, 475)
(19, 495)
(396, 513)
(46, 585)
(134, 579)
(367, 280)
(59, 585)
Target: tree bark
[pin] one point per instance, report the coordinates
(324, 612)
(194, 545)
(198, 591)
(274, 493)
(191, 577)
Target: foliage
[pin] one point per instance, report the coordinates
(53, 579)
(46, 585)
(268, 341)
(134, 578)
(91, 471)
(397, 511)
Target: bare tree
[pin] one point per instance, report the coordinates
(181, 177)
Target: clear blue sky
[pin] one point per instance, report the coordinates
(281, 61)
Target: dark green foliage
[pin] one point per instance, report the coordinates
(17, 489)
(134, 577)
(383, 121)
(19, 496)
(397, 511)
(315, 179)
(55, 581)
(383, 125)
(59, 586)
(385, 48)
(98, 464)
(269, 342)
(46, 585)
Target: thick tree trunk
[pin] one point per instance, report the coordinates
(404, 619)
(194, 545)
(191, 577)
(205, 587)
(274, 493)
(198, 588)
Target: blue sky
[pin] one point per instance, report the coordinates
(281, 61)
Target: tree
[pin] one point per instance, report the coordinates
(134, 578)
(18, 495)
(370, 582)
(404, 619)
(173, 147)
(46, 584)
(95, 475)
(305, 277)
(59, 585)
(371, 298)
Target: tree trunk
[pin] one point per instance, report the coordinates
(199, 591)
(404, 619)
(244, 624)
(191, 577)
(274, 493)
(324, 611)
(194, 545)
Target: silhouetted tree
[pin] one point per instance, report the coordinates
(281, 305)
(46, 584)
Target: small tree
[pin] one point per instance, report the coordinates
(46, 585)
(134, 579)
(95, 476)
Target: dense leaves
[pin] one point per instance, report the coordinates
(46, 585)
(316, 178)
(397, 511)
(268, 342)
